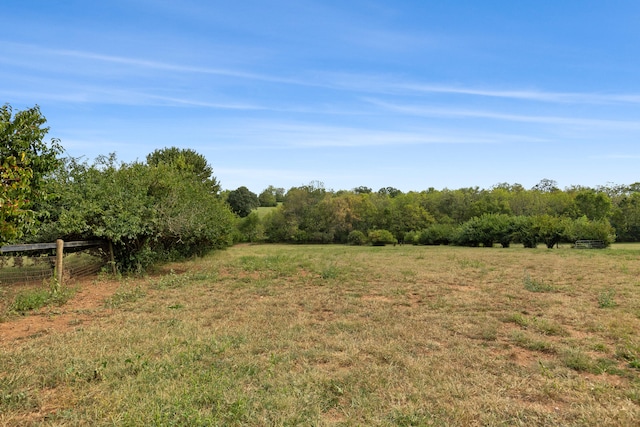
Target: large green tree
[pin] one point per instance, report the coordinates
(593, 204)
(242, 201)
(626, 216)
(267, 197)
(26, 159)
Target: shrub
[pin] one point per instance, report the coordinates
(357, 238)
(381, 237)
(484, 230)
(583, 228)
(551, 229)
(149, 213)
(411, 237)
(250, 229)
(525, 231)
(437, 234)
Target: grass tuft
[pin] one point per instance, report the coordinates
(34, 299)
(127, 293)
(532, 343)
(533, 285)
(172, 281)
(606, 299)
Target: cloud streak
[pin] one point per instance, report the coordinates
(146, 64)
(381, 84)
(525, 95)
(426, 111)
(392, 85)
(287, 135)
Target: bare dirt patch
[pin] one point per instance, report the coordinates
(86, 305)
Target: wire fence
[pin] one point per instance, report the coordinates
(37, 263)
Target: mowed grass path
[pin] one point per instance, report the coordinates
(333, 335)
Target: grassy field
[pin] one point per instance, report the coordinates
(263, 211)
(333, 335)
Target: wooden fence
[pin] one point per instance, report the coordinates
(59, 246)
(590, 244)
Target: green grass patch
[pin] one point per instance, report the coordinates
(265, 210)
(532, 342)
(34, 299)
(606, 299)
(533, 285)
(127, 293)
(538, 324)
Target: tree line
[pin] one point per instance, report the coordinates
(171, 206)
(503, 214)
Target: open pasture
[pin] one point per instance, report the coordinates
(335, 335)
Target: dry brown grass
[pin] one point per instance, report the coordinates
(334, 335)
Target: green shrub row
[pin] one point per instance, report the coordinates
(489, 229)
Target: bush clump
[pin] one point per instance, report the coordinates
(150, 212)
(357, 238)
(381, 237)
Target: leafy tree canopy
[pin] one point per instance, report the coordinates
(25, 160)
(242, 201)
(362, 190)
(546, 186)
(186, 160)
(15, 179)
(389, 191)
(268, 197)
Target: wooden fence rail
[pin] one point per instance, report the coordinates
(59, 246)
(54, 245)
(590, 244)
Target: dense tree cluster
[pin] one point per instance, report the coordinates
(503, 214)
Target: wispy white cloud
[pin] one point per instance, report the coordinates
(288, 135)
(348, 82)
(525, 95)
(196, 103)
(139, 63)
(426, 111)
(77, 93)
(392, 84)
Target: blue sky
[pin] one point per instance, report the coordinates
(406, 94)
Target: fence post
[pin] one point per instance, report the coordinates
(59, 266)
(112, 259)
